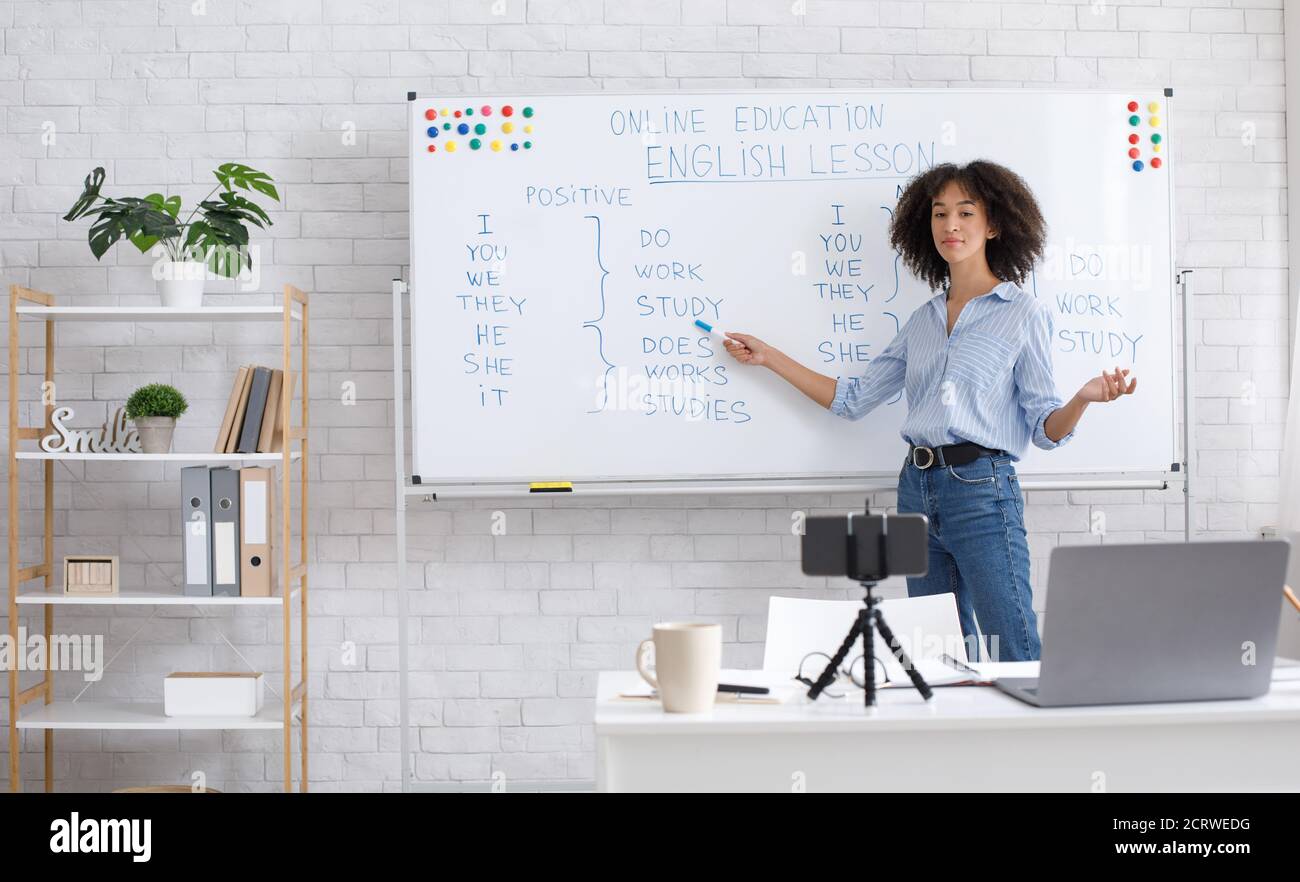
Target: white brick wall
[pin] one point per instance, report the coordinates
(509, 631)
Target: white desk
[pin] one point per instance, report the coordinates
(965, 739)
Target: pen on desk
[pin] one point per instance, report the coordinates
(743, 690)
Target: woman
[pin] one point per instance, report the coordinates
(976, 364)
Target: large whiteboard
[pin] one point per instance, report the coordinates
(557, 269)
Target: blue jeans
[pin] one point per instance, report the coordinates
(978, 551)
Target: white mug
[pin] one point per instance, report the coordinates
(688, 661)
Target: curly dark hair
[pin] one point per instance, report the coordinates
(1008, 202)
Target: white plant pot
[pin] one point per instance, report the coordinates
(155, 433)
(180, 282)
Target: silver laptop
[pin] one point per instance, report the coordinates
(1158, 622)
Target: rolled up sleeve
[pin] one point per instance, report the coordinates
(855, 397)
(1035, 385)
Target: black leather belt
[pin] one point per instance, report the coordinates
(949, 454)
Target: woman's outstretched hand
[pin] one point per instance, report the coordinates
(747, 349)
(1108, 387)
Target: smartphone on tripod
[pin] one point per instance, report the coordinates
(830, 540)
(867, 548)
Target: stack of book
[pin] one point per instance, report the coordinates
(255, 411)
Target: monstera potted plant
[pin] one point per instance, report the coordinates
(154, 409)
(213, 237)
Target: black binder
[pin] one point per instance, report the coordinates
(253, 414)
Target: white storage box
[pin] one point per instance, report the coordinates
(190, 694)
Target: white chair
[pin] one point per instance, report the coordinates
(926, 627)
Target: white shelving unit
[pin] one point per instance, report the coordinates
(51, 715)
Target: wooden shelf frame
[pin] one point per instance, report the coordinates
(25, 303)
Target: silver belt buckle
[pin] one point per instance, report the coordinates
(929, 462)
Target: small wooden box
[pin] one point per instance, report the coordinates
(90, 574)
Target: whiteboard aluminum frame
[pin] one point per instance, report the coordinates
(853, 482)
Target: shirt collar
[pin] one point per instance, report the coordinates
(1005, 290)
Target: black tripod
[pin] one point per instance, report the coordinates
(869, 620)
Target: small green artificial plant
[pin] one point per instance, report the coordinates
(156, 400)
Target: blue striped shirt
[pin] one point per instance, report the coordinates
(990, 382)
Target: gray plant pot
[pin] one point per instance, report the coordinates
(155, 433)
